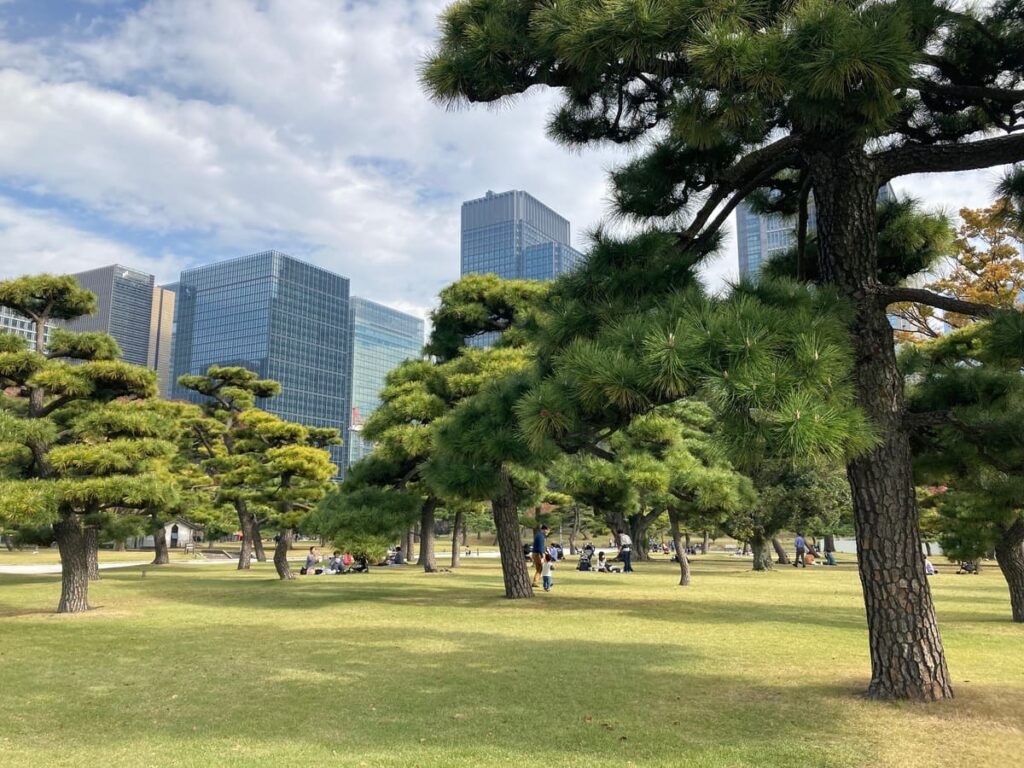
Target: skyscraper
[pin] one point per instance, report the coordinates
(382, 338)
(280, 317)
(515, 236)
(124, 306)
(759, 237)
(161, 335)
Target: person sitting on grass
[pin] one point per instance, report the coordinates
(311, 562)
(929, 569)
(603, 566)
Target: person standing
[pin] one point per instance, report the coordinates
(625, 551)
(801, 551)
(546, 572)
(539, 550)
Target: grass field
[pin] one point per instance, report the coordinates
(190, 666)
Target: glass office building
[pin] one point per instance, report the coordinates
(515, 236)
(280, 317)
(19, 325)
(124, 306)
(382, 339)
(759, 237)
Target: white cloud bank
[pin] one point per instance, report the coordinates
(222, 127)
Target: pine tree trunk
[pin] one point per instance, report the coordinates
(706, 544)
(119, 546)
(408, 545)
(830, 542)
(457, 529)
(506, 521)
(281, 549)
(686, 542)
(8, 542)
(574, 532)
(1010, 556)
(638, 527)
(928, 548)
(92, 552)
(257, 541)
(684, 563)
(74, 560)
(245, 523)
(762, 555)
(907, 658)
(780, 551)
(160, 555)
(427, 559)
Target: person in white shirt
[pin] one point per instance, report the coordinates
(625, 551)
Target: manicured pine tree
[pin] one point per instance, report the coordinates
(77, 443)
(727, 99)
(230, 392)
(282, 466)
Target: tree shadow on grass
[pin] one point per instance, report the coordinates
(446, 693)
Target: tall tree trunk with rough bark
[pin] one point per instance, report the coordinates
(409, 536)
(457, 529)
(1010, 556)
(762, 555)
(257, 541)
(92, 552)
(638, 526)
(684, 563)
(74, 560)
(160, 555)
(706, 543)
(245, 523)
(574, 532)
(281, 550)
(427, 559)
(506, 521)
(8, 542)
(780, 551)
(907, 658)
(119, 545)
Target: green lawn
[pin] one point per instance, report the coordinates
(208, 666)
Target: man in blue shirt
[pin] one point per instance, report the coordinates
(538, 552)
(801, 549)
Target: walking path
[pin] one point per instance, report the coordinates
(54, 568)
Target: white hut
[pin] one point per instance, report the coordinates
(178, 533)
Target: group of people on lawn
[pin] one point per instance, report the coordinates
(545, 557)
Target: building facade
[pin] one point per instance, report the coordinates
(760, 237)
(279, 317)
(12, 322)
(516, 237)
(382, 339)
(161, 336)
(124, 306)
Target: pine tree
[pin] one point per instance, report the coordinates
(78, 440)
(967, 399)
(833, 98)
(283, 467)
(230, 392)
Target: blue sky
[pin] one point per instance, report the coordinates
(168, 133)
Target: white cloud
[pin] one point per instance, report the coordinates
(297, 125)
(290, 124)
(36, 241)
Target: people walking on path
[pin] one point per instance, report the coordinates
(801, 551)
(625, 551)
(539, 550)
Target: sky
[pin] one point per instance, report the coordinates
(164, 134)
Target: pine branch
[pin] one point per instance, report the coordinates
(1004, 95)
(745, 176)
(898, 294)
(944, 158)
